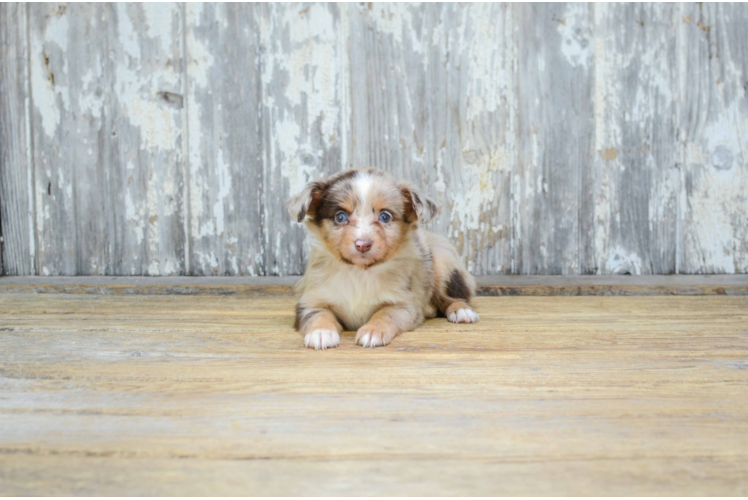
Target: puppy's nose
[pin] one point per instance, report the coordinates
(363, 246)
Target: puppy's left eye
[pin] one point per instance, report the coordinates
(385, 217)
(341, 217)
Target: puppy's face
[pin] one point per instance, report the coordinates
(361, 216)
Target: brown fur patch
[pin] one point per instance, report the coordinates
(303, 316)
(457, 287)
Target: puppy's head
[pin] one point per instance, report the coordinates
(361, 216)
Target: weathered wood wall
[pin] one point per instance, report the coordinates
(162, 139)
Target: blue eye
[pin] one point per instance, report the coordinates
(385, 217)
(341, 217)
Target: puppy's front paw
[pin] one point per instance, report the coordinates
(322, 339)
(371, 335)
(464, 315)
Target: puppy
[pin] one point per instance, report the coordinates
(371, 268)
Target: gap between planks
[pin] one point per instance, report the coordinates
(685, 285)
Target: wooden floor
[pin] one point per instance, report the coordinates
(192, 395)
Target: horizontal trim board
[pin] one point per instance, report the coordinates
(736, 284)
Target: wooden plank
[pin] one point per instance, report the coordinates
(304, 87)
(16, 194)
(225, 137)
(107, 144)
(713, 133)
(148, 119)
(168, 395)
(487, 285)
(635, 181)
(384, 477)
(556, 129)
(434, 103)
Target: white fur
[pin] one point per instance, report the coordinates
(371, 339)
(322, 339)
(464, 316)
(356, 294)
(363, 185)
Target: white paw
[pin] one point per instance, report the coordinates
(372, 338)
(465, 315)
(322, 339)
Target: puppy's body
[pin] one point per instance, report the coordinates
(371, 268)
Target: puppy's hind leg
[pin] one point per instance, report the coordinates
(454, 301)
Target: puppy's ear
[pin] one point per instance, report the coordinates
(306, 202)
(418, 206)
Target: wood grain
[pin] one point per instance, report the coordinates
(635, 180)
(107, 138)
(195, 395)
(16, 172)
(713, 119)
(225, 136)
(555, 105)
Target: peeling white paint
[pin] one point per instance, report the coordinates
(159, 23)
(480, 194)
(308, 65)
(622, 261)
(463, 143)
(575, 31)
(396, 20)
(50, 96)
(90, 101)
(489, 79)
(137, 90)
(200, 58)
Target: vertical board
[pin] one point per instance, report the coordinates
(713, 121)
(105, 85)
(556, 130)
(433, 101)
(66, 153)
(224, 140)
(16, 195)
(146, 126)
(303, 113)
(633, 194)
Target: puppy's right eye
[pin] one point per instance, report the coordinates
(341, 217)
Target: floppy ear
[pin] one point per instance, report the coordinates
(418, 206)
(305, 203)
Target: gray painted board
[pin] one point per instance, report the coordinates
(713, 133)
(225, 157)
(107, 138)
(633, 197)
(163, 139)
(556, 127)
(16, 193)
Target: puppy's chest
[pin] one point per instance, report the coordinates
(355, 297)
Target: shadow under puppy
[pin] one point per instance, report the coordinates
(371, 268)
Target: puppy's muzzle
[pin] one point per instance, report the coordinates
(363, 246)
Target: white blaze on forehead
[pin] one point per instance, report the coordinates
(362, 185)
